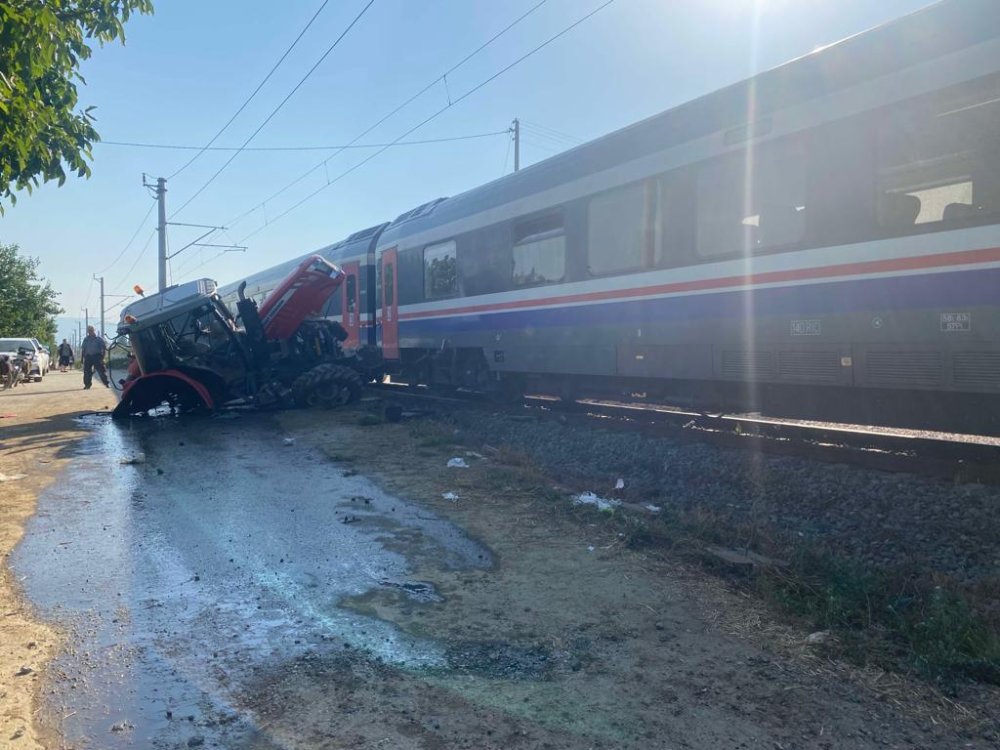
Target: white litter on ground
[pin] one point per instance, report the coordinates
(449, 496)
(288, 441)
(11, 477)
(620, 484)
(652, 508)
(135, 458)
(589, 498)
(457, 463)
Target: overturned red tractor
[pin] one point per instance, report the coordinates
(189, 352)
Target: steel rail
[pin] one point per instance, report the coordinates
(959, 458)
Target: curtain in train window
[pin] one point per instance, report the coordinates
(540, 259)
(753, 200)
(619, 230)
(938, 159)
(440, 270)
(539, 252)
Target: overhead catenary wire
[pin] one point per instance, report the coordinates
(394, 111)
(260, 85)
(129, 243)
(134, 144)
(277, 109)
(138, 257)
(185, 267)
(436, 114)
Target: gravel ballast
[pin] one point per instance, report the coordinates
(880, 519)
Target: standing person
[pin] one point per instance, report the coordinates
(65, 355)
(92, 350)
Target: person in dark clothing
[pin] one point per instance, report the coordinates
(92, 350)
(65, 355)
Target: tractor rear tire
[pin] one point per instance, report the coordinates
(327, 387)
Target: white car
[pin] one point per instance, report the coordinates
(31, 349)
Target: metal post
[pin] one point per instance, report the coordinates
(101, 279)
(86, 318)
(161, 199)
(517, 144)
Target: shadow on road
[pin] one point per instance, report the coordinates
(59, 431)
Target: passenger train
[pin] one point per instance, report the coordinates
(822, 239)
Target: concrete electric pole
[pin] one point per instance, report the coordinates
(160, 191)
(101, 279)
(516, 130)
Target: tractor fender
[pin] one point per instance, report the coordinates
(145, 391)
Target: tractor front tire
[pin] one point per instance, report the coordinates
(327, 387)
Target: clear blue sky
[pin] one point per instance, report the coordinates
(186, 69)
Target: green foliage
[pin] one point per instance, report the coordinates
(42, 43)
(27, 302)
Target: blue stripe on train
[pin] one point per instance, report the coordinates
(957, 289)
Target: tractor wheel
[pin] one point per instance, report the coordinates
(327, 387)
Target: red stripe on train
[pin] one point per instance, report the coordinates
(846, 269)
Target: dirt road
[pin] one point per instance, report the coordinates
(37, 435)
(302, 581)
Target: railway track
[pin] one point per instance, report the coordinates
(943, 456)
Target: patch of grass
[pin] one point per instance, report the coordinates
(890, 618)
(894, 618)
(369, 420)
(427, 434)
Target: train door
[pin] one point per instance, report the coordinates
(350, 305)
(390, 306)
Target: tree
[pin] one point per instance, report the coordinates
(27, 302)
(41, 45)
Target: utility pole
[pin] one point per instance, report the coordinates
(160, 191)
(101, 279)
(516, 129)
(86, 318)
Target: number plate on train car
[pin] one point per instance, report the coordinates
(806, 328)
(960, 321)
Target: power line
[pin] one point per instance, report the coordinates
(134, 144)
(136, 261)
(552, 131)
(129, 244)
(260, 85)
(275, 111)
(564, 142)
(400, 107)
(419, 125)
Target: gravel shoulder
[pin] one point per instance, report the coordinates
(37, 435)
(573, 638)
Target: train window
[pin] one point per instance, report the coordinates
(539, 252)
(620, 230)
(673, 219)
(752, 200)
(351, 291)
(390, 285)
(334, 306)
(440, 270)
(938, 159)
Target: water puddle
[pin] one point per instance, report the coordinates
(223, 554)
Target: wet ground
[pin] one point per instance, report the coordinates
(302, 581)
(218, 552)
